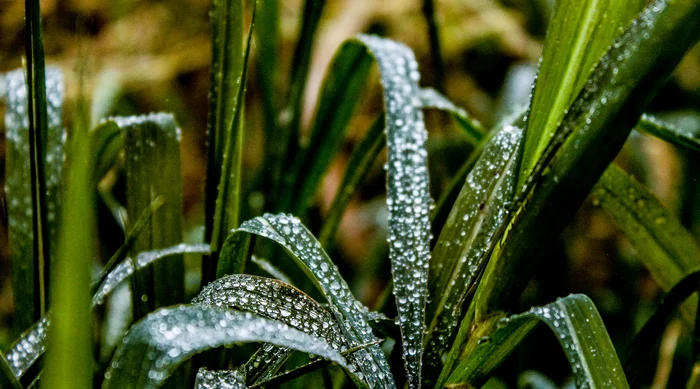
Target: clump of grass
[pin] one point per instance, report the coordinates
(454, 299)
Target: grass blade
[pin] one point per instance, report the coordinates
(350, 314)
(435, 46)
(268, 42)
(229, 379)
(38, 124)
(579, 33)
(577, 325)
(7, 378)
(163, 340)
(458, 257)
(587, 140)
(26, 275)
(341, 90)
(684, 137)
(106, 142)
(637, 353)
(71, 329)
(152, 147)
(226, 70)
(28, 348)
(430, 98)
(408, 197)
(667, 249)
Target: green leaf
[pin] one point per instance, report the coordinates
(163, 340)
(431, 98)
(361, 160)
(71, 331)
(7, 378)
(350, 314)
(28, 271)
(229, 379)
(575, 322)
(227, 65)
(589, 137)
(663, 245)
(408, 198)
(234, 254)
(268, 43)
(106, 142)
(152, 148)
(458, 257)
(341, 90)
(684, 137)
(637, 353)
(38, 101)
(579, 33)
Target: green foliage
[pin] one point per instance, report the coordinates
(521, 184)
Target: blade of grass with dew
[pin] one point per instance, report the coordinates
(408, 198)
(37, 111)
(577, 325)
(305, 250)
(637, 352)
(270, 269)
(283, 145)
(26, 276)
(227, 205)
(341, 90)
(589, 137)
(684, 137)
(229, 379)
(7, 378)
(226, 80)
(158, 344)
(71, 324)
(458, 258)
(152, 148)
(579, 33)
(264, 363)
(361, 160)
(24, 353)
(663, 245)
(234, 254)
(268, 41)
(274, 300)
(430, 98)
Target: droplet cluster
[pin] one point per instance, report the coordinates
(408, 199)
(349, 313)
(28, 348)
(222, 379)
(480, 209)
(159, 343)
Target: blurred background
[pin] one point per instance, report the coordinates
(137, 57)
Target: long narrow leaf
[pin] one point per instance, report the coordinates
(577, 325)
(579, 33)
(350, 314)
(163, 340)
(430, 98)
(684, 137)
(25, 274)
(152, 148)
(408, 197)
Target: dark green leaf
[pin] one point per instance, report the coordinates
(575, 322)
(163, 340)
(430, 98)
(683, 137)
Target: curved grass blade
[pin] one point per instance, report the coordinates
(589, 137)
(163, 340)
(637, 353)
(270, 269)
(349, 313)
(408, 197)
(430, 98)
(71, 331)
(360, 162)
(667, 249)
(458, 257)
(226, 80)
(106, 142)
(577, 325)
(579, 33)
(684, 137)
(226, 379)
(32, 343)
(28, 273)
(340, 92)
(152, 148)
